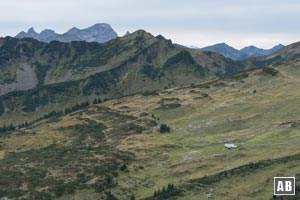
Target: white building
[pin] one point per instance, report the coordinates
(230, 146)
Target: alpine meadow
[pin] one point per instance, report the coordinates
(89, 114)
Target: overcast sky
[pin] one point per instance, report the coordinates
(239, 23)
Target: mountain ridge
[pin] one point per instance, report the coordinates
(242, 54)
(100, 32)
(126, 65)
(255, 51)
(287, 53)
(135, 63)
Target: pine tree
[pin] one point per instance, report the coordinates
(95, 101)
(109, 179)
(155, 194)
(132, 197)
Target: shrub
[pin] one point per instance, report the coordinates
(270, 70)
(150, 93)
(59, 190)
(43, 196)
(110, 196)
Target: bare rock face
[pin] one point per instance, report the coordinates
(97, 33)
(100, 33)
(25, 79)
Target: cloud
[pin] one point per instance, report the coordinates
(196, 22)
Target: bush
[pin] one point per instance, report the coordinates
(43, 196)
(150, 93)
(70, 188)
(110, 196)
(124, 167)
(59, 190)
(270, 70)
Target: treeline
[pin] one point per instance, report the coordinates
(78, 106)
(99, 100)
(5, 128)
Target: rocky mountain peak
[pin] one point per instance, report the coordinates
(100, 32)
(32, 33)
(127, 33)
(73, 30)
(47, 32)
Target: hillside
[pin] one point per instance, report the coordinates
(288, 55)
(118, 149)
(56, 73)
(289, 52)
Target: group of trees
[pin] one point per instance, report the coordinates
(64, 188)
(165, 192)
(46, 116)
(164, 128)
(150, 93)
(77, 106)
(5, 128)
(97, 101)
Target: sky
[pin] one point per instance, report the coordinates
(239, 23)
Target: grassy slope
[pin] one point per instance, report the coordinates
(58, 62)
(230, 112)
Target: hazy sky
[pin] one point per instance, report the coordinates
(239, 23)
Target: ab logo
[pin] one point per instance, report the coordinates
(284, 185)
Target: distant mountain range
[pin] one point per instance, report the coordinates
(245, 53)
(100, 33)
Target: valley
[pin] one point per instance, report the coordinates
(115, 149)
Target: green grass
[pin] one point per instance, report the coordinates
(195, 149)
(192, 156)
